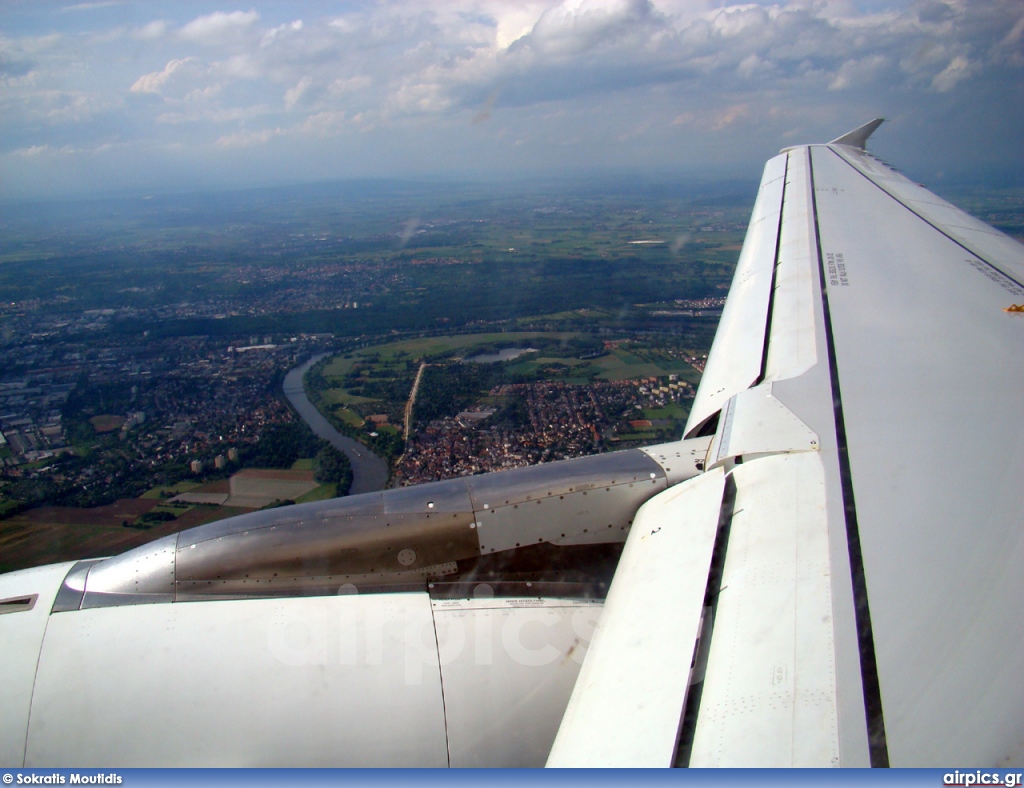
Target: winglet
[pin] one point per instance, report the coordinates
(859, 136)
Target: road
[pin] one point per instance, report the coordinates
(369, 472)
(412, 402)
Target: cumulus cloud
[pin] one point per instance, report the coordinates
(642, 75)
(270, 35)
(346, 85)
(152, 30)
(248, 139)
(1011, 45)
(74, 107)
(577, 26)
(12, 66)
(512, 22)
(243, 66)
(323, 124)
(155, 81)
(440, 58)
(39, 151)
(714, 119)
(34, 150)
(856, 72)
(293, 95)
(932, 12)
(959, 69)
(212, 28)
(91, 6)
(193, 112)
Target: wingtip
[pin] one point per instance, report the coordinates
(859, 136)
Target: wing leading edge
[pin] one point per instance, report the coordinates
(863, 391)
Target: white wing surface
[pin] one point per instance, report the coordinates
(864, 390)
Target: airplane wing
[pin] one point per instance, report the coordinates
(822, 572)
(860, 546)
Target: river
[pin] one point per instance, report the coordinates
(369, 472)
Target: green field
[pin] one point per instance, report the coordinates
(415, 349)
(321, 493)
(169, 491)
(630, 437)
(379, 363)
(671, 411)
(619, 365)
(8, 505)
(339, 396)
(349, 416)
(393, 365)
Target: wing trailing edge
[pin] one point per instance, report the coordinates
(625, 707)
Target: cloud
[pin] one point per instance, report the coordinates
(270, 35)
(713, 119)
(293, 95)
(1010, 46)
(343, 86)
(673, 80)
(935, 12)
(512, 22)
(12, 66)
(321, 125)
(75, 107)
(728, 116)
(324, 124)
(959, 69)
(155, 81)
(858, 72)
(738, 21)
(213, 27)
(34, 150)
(152, 30)
(243, 66)
(52, 151)
(91, 6)
(204, 94)
(576, 26)
(248, 139)
(196, 111)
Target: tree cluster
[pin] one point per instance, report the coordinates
(332, 467)
(446, 390)
(281, 445)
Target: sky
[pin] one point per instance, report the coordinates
(122, 96)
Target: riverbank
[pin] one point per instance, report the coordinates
(369, 472)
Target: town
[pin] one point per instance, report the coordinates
(106, 422)
(556, 421)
